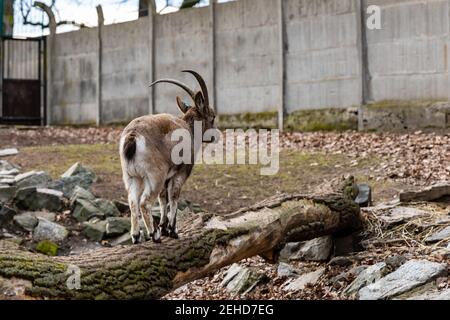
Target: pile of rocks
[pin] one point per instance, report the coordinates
(50, 214)
(33, 207)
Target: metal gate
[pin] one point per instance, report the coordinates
(23, 81)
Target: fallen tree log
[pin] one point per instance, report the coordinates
(207, 243)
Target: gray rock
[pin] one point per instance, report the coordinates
(400, 215)
(353, 272)
(395, 261)
(5, 166)
(106, 207)
(26, 220)
(7, 181)
(7, 193)
(34, 199)
(288, 250)
(29, 220)
(368, 276)
(364, 198)
(231, 273)
(46, 230)
(94, 230)
(428, 194)
(318, 249)
(32, 179)
(50, 216)
(302, 281)
(117, 225)
(439, 236)
(6, 214)
(341, 261)
(78, 169)
(67, 185)
(286, 270)
(8, 152)
(10, 173)
(244, 281)
(433, 295)
(412, 274)
(122, 240)
(81, 193)
(84, 210)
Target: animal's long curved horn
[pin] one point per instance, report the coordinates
(177, 83)
(202, 85)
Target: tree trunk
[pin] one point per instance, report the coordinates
(207, 243)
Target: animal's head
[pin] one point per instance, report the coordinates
(201, 111)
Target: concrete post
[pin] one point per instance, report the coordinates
(50, 50)
(282, 65)
(151, 54)
(212, 41)
(101, 21)
(361, 7)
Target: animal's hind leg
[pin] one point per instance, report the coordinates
(163, 198)
(134, 191)
(174, 189)
(148, 197)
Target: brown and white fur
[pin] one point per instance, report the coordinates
(147, 167)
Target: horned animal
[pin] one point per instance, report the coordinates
(148, 170)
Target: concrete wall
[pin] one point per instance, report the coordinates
(322, 60)
(125, 66)
(182, 42)
(327, 54)
(408, 57)
(75, 69)
(247, 56)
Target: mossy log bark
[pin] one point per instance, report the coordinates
(207, 243)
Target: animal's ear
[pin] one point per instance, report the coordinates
(182, 105)
(200, 101)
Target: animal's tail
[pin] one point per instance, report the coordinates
(129, 146)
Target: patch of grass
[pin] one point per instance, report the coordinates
(217, 188)
(102, 158)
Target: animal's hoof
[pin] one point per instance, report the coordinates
(164, 231)
(156, 237)
(135, 238)
(173, 234)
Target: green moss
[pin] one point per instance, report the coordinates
(396, 104)
(260, 120)
(47, 247)
(322, 120)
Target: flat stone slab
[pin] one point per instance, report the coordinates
(428, 194)
(399, 215)
(5, 166)
(47, 230)
(439, 236)
(302, 281)
(411, 275)
(8, 152)
(433, 295)
(7, 193)
(366, 277)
